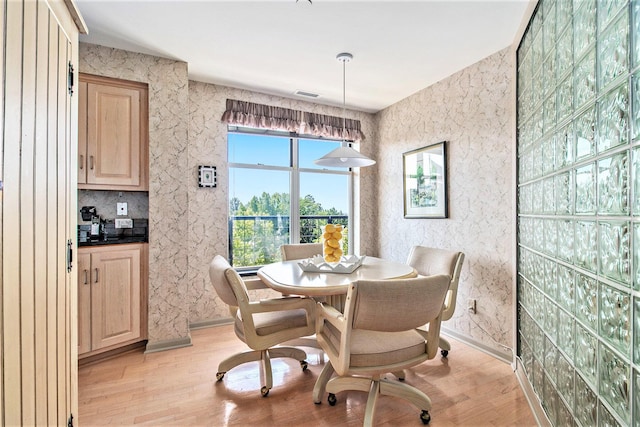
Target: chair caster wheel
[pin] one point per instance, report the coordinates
(264, 391)
(444, 353)
(332, 399)
(304, 365)
(425, 417)
(220, 376)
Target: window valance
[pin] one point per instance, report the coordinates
(242, 113)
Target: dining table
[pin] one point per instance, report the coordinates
(289, 278)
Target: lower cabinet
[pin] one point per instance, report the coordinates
(112, 297)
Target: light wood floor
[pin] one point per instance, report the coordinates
(179, 388)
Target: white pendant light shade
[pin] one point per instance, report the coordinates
(344, 157)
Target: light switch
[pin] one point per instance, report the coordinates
(121, 208)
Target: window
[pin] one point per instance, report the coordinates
(271, 176)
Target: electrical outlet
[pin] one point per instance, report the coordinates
(121, 208)
(471, 306)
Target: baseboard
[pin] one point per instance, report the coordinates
(504, 356)
(532, 398)
(168, 345)
(210, 323)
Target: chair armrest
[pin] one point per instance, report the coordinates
(280, 304)
(331, 314)
(253, 283)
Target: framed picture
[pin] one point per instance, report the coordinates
(206, 176)
(425, 182)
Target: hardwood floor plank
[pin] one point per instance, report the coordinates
(179, 388)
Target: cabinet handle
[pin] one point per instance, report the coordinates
(96, 276)
(91, 162)
(81, 162)
(86, 276)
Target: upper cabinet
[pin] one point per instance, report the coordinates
(113, 134)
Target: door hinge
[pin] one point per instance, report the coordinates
(69, 255)
(70, 421)
(70, 79)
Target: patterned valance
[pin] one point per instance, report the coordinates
(242, 113)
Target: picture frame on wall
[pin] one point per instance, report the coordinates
(424, 172)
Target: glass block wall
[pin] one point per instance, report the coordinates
(578, 118)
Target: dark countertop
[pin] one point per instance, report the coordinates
(115, 241)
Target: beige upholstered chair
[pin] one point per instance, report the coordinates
(377, 334)
(429, 261)
(261, 324)
(300, 250)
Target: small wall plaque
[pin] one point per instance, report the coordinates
(206, 176)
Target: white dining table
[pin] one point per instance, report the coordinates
(288, 277)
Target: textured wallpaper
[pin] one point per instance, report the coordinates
(168, 179)
(472, 110)
(208, 211)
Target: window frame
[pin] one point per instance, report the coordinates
(294, 180)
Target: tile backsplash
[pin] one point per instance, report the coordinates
(105, 203)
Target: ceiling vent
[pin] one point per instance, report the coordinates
(307, 94)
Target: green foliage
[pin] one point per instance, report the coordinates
(257, 242)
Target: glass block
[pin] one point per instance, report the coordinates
(524, 199)
(586, 407)
(613, 51)
(536, 153)
(566, 292)
(538, 378)
(564, 193)
(613, 118)
(537, 341)
(585, 80)
(550, 400)
(635, 34)
(548, 196)
(587, 301)
(527, 357)
(566, 334)
(615, 318)
(586, 358)
(605, 419)
(549, 26)
(548, 155)
(584, 24)
(564, 416)
(537, 122)
(613, 184)
(550, 360)
(607, 10)
(538, 235)
(564, 101)
(615, 250)
(549, 72)
(635, 92)
(550, 318)
(537, 90)
(549, 113)
(586, 245)
(550, 278)
(586, 189)
(537, 197)
(636, 339)
(636, 410)
(537, 312)
(566, 242)
(564, 147)
(564, 10)
(585, 134)
(615, 382)
(565, 381)
(537, 52)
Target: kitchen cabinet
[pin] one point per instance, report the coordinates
(112, 297)
(113, 134)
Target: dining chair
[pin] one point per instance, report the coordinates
(300, 250)
(377, 334)
(429, 261)
(262, 325)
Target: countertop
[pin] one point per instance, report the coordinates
(115, 241)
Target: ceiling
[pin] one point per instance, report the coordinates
(283, 46)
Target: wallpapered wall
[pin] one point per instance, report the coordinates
(472, 110)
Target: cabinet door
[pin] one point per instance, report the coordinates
(82, 132)
(84, 301)
(115, 297)
(113, 135)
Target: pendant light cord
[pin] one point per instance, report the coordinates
(344, 102)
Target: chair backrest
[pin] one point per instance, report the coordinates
(300, 250)
(430, 261)
(232, 292)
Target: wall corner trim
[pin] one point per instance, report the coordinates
(532, 398)
(168, 345)
(503, 356)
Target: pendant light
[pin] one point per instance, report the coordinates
(344, 156)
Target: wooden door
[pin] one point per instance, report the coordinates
(82, 133)
(115, 296)
(38, 123)
(113, 135)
